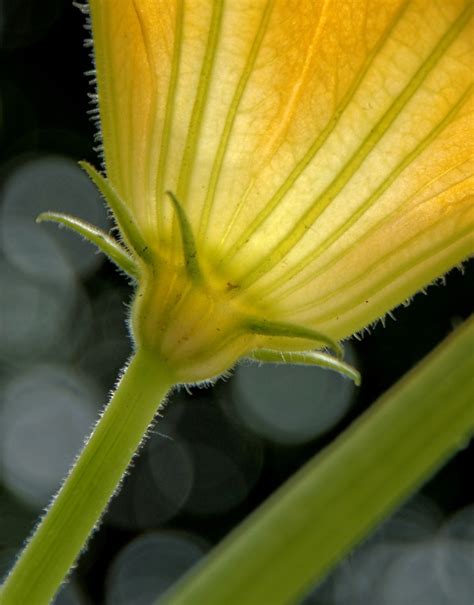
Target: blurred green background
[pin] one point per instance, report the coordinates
(216, 453)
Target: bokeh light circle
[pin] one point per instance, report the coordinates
(47, 413)
(156, 488)
(290, 404)
(149, 565)
(227, 460)
(34, 315)
(58, 184)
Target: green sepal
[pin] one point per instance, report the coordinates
(189, 244)
(307, 358)
(106, 244)
(125, 221)
(288, 330)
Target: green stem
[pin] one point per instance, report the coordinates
(79, 505)
(338, 497)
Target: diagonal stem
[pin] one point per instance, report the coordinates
(308, 525)
(81, 501)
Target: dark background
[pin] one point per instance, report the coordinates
(215, 456)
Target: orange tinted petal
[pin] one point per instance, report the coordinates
(321, 150)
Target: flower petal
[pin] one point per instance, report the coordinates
(383, 202)
(133, 48)
(321, 150)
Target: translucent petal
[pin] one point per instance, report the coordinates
(321, 150)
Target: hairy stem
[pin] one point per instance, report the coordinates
(81, 501)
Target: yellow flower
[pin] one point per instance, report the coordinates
(317, 155)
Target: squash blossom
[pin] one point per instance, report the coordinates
(282, 172)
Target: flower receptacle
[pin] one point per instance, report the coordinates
(194, 327)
